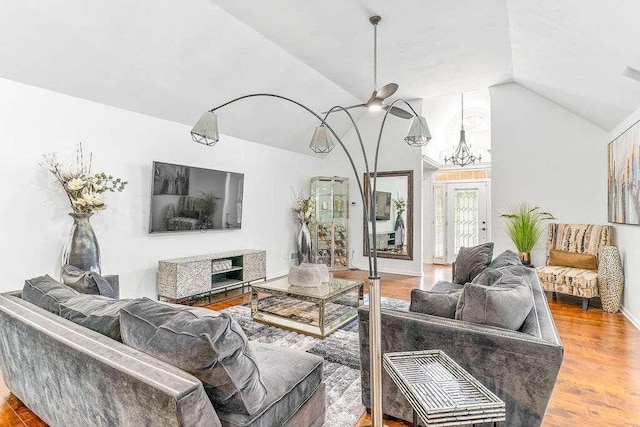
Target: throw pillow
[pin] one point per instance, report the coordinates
(488, 277)
(501, 306)
(209, 345)
(443, 286)
(505, 259)
(573, 260)
(98, 313)
(471, 261)
(47, 293)
(441, 304)
(86, 282)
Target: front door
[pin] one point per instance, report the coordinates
(461, 211)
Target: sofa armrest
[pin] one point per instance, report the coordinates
(519, 368)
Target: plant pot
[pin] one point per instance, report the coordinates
(525, 258)
(303, 243)
(82, 250)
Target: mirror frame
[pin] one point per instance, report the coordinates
(409, 225)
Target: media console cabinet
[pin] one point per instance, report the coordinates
(190, 277)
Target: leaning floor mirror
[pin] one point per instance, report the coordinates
(393, 215)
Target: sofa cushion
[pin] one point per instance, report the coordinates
(567, 280)
(501, 306)
(471, 261)
(488, 277)
(47, 293)
(95, 312)
(290, 377)
(503, 276)
(573, 260)
(444, 286)
(505, 259)
(441, 304)
(86, 282)
(209, 345)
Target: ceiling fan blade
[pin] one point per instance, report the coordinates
(398, 112)
(387, 90)
(374, 96)
(348, 108)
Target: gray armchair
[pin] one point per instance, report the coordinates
(520, 367)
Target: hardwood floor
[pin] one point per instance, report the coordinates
(599, 383)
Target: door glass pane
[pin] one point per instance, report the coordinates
(465, 218)
(438, 221)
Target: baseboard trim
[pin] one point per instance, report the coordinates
(630, 317)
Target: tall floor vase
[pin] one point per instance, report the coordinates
(610, 279)
(82, 250)
(303, 243)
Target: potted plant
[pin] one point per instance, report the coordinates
(84, 190)
(208, 208)
(400, 204)
(303, 210)
(524, 227)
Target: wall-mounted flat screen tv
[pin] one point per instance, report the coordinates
(187, 198)
(383, 206)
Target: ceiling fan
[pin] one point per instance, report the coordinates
(376, 101)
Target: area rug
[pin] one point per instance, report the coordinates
(341, 354)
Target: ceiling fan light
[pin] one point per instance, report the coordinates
(419, 134)
(375, 104)
(205, 131)
(322, 141)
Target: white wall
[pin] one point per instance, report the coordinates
(34, 121)
(546, 156)
(628, 239)
(395, 155)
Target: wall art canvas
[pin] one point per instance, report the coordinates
(624, 177)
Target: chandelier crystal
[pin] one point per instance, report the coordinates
(462, 155)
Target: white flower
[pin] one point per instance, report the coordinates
(92, 199)
(98, 188)
(80, 202)
(76, 184)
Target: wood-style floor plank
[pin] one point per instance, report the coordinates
(598, 385)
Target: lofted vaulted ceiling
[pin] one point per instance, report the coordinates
(173, 59)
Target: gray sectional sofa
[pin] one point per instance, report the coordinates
(70, 375)
(519, 366)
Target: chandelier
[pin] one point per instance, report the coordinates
(462, 155)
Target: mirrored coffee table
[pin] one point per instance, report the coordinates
(316, 311)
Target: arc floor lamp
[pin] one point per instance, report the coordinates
(206, 132)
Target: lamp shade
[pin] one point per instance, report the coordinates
(418, 135)
(206, 130)
(322, 141)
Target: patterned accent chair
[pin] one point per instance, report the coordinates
(579, 238)
(188, 217)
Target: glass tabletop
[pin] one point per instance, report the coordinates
(324, 291)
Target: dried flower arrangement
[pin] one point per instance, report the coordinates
(83, 189)
(302, 205)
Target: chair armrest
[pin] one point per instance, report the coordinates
(519, 368)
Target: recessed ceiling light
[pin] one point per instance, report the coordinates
(632, 73)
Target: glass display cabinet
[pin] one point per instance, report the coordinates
(330, 221)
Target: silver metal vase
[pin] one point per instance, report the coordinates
(82, 250)
(303, 243)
